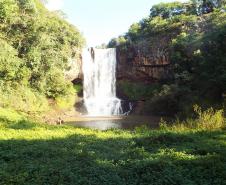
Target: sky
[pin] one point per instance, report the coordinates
(101, 20)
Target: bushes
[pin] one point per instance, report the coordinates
(137, 91)
(209, 119)
(22, 98)
(68, 101)
(56, 84)
(164, 102)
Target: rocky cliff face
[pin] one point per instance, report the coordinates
(147, 61)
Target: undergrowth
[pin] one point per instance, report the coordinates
(35, 153)
(209, 119)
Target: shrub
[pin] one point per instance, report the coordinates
(68, 101)
(164, 101)
(22, 98)
(209, 119)
(56, 84)
(137, 91)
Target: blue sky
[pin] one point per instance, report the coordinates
(101, 20)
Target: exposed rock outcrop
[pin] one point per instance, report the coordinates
(148, 61)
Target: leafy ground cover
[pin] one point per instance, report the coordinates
(33, 153)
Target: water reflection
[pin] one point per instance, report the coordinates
(100, 125)
(122, 122)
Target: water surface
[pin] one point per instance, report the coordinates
(117, 122)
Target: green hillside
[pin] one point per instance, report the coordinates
(35, 48)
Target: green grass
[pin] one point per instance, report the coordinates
(33, 153)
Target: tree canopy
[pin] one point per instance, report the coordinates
(37, 45)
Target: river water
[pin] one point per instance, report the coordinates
(114, 122)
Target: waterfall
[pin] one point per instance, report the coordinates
(99, 70)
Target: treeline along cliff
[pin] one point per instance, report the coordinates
(175, 58)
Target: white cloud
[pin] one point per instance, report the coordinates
(54, 4)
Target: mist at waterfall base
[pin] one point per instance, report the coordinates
(99, 86)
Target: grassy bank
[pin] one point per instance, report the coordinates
(33, 153)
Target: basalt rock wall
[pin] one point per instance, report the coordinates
(147, 61)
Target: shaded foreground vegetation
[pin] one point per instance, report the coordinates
(32, 153)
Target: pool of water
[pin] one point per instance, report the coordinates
(119, 122)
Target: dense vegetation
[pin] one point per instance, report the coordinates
(195, 41)
(187, 153)
(35, 48)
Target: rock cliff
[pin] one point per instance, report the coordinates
(148, 61)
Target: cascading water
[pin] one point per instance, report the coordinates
(99, 69)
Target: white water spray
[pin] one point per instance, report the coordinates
(99, 69)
